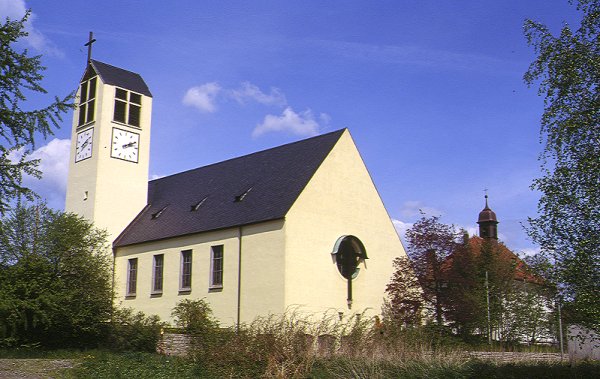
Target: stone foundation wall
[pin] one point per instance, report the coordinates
(179, 344)
(174, 344)
(583, 343)
(510, 356)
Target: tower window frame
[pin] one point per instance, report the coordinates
(87, 101)
(128, 107)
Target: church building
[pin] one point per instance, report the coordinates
(299, 226)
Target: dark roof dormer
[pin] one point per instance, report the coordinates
(117, 77)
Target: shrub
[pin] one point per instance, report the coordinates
(129, 331)
(275, 346)
(194, 316)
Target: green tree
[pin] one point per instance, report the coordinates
(55, 281)
(567, 68)
(194, 316)
(429, 244)
(466, 303)
(404, 305)
(20, 75)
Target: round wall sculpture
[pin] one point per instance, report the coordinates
(348, 252)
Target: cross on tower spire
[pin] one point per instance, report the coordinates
(89, 43)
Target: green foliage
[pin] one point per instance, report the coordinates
(133, 331)
(461, 280)
(126, 365)
(109, 365)
(194, 316)
(55, 282)
(21, 74)
(567, 68)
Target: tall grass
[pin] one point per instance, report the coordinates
(289, 345)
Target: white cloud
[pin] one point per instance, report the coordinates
(156, 176)
(54, 166)
(529, 251)
(54, 162)
(302, 124)
(414, 208)
(250, 92)
(15, 10)
(203, 97)
(470, 229)
(401, 227)
(206, 96)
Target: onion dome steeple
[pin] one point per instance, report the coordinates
(488, 224)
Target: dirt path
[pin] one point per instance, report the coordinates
(32, 368)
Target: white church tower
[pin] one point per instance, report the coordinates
(110, 148)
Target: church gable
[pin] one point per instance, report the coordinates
(339, 203)
(254, 188)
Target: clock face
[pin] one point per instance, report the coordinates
(125, 145)
(83, 149)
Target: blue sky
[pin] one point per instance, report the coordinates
(431, 91)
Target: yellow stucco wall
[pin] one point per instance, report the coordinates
(261, 276)
(286, 264)
(117, 190)
(340, 199)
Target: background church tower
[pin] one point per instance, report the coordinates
(110, 147)
(488, 224)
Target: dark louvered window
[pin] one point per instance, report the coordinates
(128, 107)
(87, 101)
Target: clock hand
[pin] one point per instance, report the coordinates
(128, 145)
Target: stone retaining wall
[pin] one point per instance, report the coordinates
(174, 344)
(583, 343)
(500, 356)
(179, 344)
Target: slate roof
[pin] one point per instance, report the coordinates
(254, 188)
(121, 78)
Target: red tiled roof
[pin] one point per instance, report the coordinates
(522, 271)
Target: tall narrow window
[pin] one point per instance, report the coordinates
(87, 101)
(128, 106)
(216, 267)
(132, 277)
(186, 270)
(157, 274)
